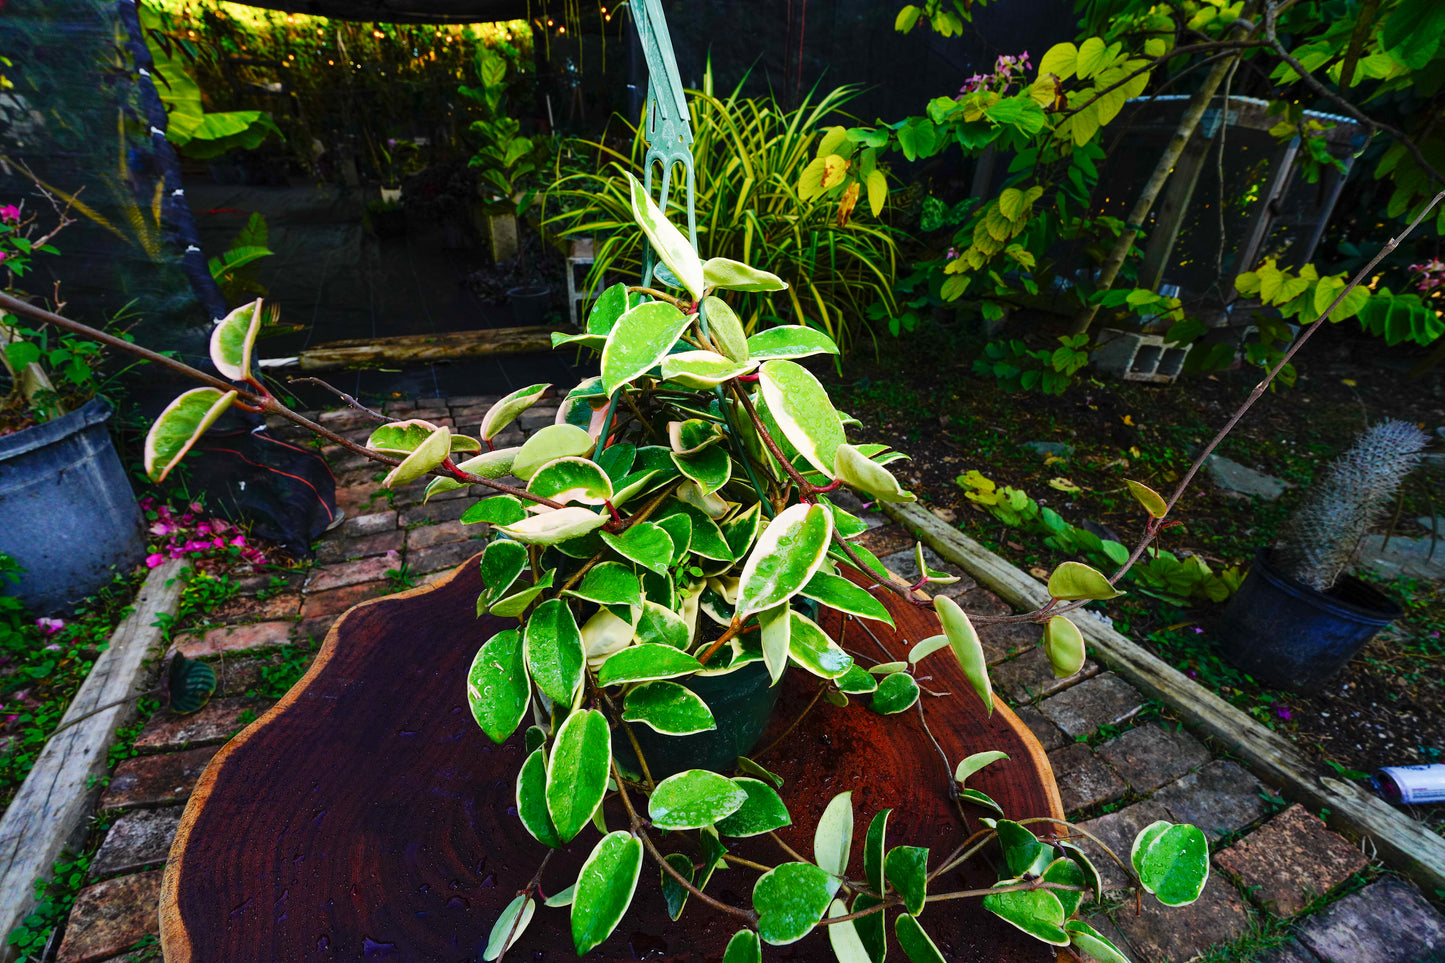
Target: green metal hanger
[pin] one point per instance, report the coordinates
(669, 135)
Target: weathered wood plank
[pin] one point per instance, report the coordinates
(1401, 841)
(413, 348)
(49, 812)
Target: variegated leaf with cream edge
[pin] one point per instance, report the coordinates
(404, 437)
(639, 341)
(234, 339)
(505, 411)
(1064, 645)
(785, 557)
(571, 479)
(857, 470)
(967, 649)
(428, 455)
(489, 464)
(551, 442)
(725, 328)
(670, 244)
(555, 525)
(702, 369)
(730, 275)
(180, 426)
(789, 341)
(803, 412)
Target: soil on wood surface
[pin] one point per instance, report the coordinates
(921, 394)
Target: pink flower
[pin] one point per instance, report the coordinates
(239, 541)
(196, 507)
(154, 559)
(162, 528)
(53, 647)
(218, 543)
(50, 626)
(10, 214)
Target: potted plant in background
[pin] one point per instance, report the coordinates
(1298, 618)
(662, 549)
(505, 164)
(71, 518)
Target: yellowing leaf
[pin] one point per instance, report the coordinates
(1092, 57)
(1151, 500)
(1060, 61)
(835, 169)
(1064, 645)
(877, 191)
(848, 201)
(1064, 484)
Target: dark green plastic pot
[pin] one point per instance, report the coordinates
(741, 702)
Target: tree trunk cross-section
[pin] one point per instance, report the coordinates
(366, 815)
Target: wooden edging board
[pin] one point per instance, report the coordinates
(1400, 841)
(418, 348)
(50, 811)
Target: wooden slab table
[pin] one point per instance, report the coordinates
(366, 816)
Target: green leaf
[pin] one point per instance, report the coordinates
(646, 662)
(857, 470)
(549, 444)
(509, 926)
(871, 929)
(552, 644)
(233, 340)
(189, 684)
(604, 888)
(609, 583)
(877, 183)
(1066, 872)
(668, 708)
(1037, 912)
(179, 427)
(785, 558)
(1059, 60)
(693, 799)
(661, 625)
(505, 411)
(775, 625)
(790, 900)
(789, 341)
(1022, 851)
(1072, 581)
(980, 799)
(721, 272)
(644, 543)
(873, 850)
(856, 681)
(967, 649)
(571, 479)
(763, 812)
(710, 468)
(1093, 56)
(1172, 862)
(532, 800)
(906, 870)
(927, 647)
(895, 693)
(498, 689)
(749, 766)
(702, 369)
(563, 898)
(555, 525)
(975, 762)
(907, 18)
(833, 839)
(607, 309)
(743, 948)
(489, 464)
(847, 946)
(725, 328)
(839, 593)
(916, 944)
(1413, 32)
(577, 770)
(1092, 943)
(803, 412)
(673, 892)
(436, 449)
(707, 537)
(812, 649)
(669, 243)
(1064, 645)
(1153, 503)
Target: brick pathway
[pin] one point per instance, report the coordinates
(1118, 766)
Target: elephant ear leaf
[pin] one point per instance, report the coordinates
(180, 426)
(233, 340)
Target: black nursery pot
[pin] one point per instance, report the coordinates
(529, 304)
(1290, 636)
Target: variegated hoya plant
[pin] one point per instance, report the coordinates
(674, 523)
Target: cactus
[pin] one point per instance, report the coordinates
(1316, 543)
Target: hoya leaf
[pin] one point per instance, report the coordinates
(604, 888)
(906, 870)
(556, 525)
(721, 272)
(963, 639)
(972, 764)
(1172, 862)
(404, 437)
(1073, 581)
(833, 839)
(744, 947)
(645, 662)
(775, 625)
(1064, 645)
(916, 944)
(571, 479)
(980, 799)
(515, 604)
(856, 681)
(800, 405)
(1022, 851)
(489, 464)
(552, 645)
(786, 556)
(644, 543)
(857, 470)
(871, 929)
(709, 469)
(1066, 872)
(605, 633)
(562, 898)
(180, 426)
(693, 799)
(669, 243)
(609, 583)
(1152, 501)
(847, 945)
(669, 708)
(509, 926)
(725, 329)
(895, 693)
(702, 369)
(790, 900)
(1037, 912)
(1092, 943)
(812, 649)
(436, 449)
(763, 812)
(498, 689)
(673, 892)
(548, 444)
(873, 850)
(577, 771)
(660, 624)
(607, 309)
(532, 800)
(789, 341)
(497, 510)
(839, 593)
(233, 340)
(927, 647)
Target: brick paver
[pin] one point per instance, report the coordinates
(1105, 700)
(110, 916)
(216, 722)
(136, 840)
(236, 638)
(1386, 922)
(1290, 860)
(1148, 756)
(1083, 778)
(160, 780)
